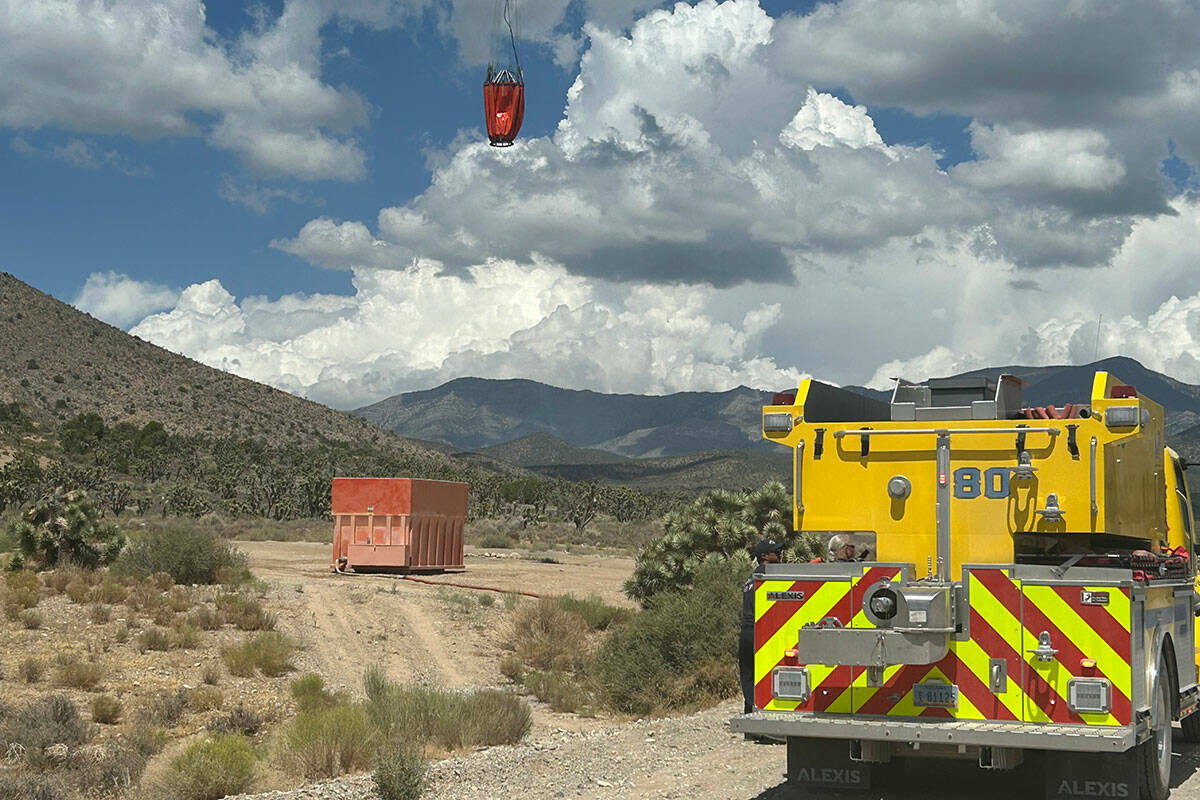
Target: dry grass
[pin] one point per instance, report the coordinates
(269, 652)
(545, 636)
(106, 710)
(73, 672)
(31, 670)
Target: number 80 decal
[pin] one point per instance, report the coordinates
(969, 482)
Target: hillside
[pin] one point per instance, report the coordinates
(542, 449)
(60, 362)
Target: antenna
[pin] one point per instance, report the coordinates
(1096, 352)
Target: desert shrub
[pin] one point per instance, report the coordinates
(326, 742)
(165, 708)
(32, 619)
(310, 693)
(106, 709)
(206, 619)
(45, 786)
(720, 525)
(211, 674)
(78, 591)
(399, 772)
(269, 652)
(121, 634)
(154, 638)
(22, 579)
(163, 616)
(211, 769)
(49, 720)
(188, 554)
(66, 528)
(599, 615)
(245, 613)
(486, 599)
(179, 598)
(57, 580)
(109, 591)
(448, 719)
(492, 717)
(31, 670)
(205, 698)
(562, 691)
(74, 672)
(497, 540)
(145, 596)
(185, 637)
(238, 720)
(22, 590)
(162, 580)
(646, 665)
(99, 614)
(545, 636)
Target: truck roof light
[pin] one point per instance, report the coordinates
(1124, 390)
(778, 422)
(783, 399)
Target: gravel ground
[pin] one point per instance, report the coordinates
(692, 757)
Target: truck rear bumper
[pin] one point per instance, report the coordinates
(1082, 738)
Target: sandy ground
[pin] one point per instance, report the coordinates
(446, 636)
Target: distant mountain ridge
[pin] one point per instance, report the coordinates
(477, 413)
(566, 432)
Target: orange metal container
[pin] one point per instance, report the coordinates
(398, 524)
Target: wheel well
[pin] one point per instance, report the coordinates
(1168, 651)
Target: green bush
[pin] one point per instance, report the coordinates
(399, 771)
(599, 615)
(66, 528)
(188, 554)
(310, 693)
(681, 650)
(270, 652)
(211, 769)
(497, 540)
(327, 742)
(109, 591)
(32, 619)
(718, 524)
(563, 692)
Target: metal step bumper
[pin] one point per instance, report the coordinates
(1081, 738)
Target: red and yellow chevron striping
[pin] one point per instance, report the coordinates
(1005, 621)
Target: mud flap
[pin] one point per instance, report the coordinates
(1092, 776)
(825, 763)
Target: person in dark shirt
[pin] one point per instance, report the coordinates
(765, 552)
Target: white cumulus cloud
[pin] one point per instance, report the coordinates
(410, 329)
(120, 300)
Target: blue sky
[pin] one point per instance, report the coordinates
(734, 192)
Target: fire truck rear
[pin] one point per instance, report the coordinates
(1031, 589)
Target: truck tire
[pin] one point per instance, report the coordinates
(1190, 727)
(1154, 754)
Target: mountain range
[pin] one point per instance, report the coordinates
(694, 439)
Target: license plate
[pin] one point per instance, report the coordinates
(940, 695)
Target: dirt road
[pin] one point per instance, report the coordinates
(447, 637)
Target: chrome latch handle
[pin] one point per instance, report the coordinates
(1044, 652)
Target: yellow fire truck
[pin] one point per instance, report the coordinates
(1032, 588)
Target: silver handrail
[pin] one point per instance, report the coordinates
(939, 431)
(796, 475)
